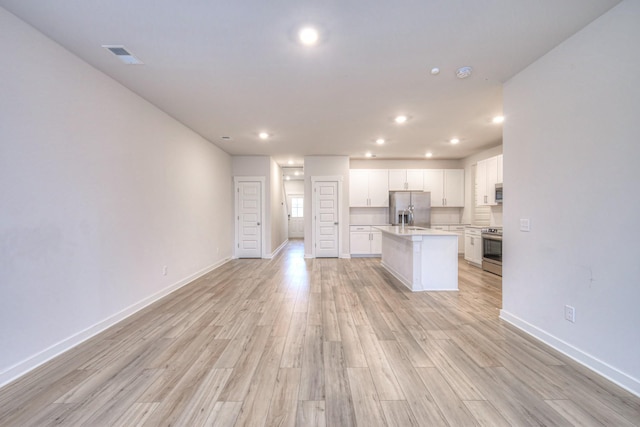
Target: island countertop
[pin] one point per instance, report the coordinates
(410, 231)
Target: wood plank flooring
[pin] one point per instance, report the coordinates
(324, 342)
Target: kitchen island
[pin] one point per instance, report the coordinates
(422, 259)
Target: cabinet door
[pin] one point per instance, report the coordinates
(379, 188)
(397, 180)
(454, 188)
(376, 242)
(500, 168)
(360, 243)
(492, 179)
(415, 180)
(482, 198)
(473, 249)
(434, 183)
(358, 188)
(468, 248)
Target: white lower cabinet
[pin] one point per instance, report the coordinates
(458, 229)
(473, 246)
(365, 240)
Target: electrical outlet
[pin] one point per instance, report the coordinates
(525, 224)
(570, 313)
(164, 270)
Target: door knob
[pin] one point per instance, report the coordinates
(258, 224)
(335, 223)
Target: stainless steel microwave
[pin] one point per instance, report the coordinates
(499, 193)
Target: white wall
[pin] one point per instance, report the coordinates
(316, 166)
(404, 164)
(279, 223)
(99, 191)
(275, 226)
(571, 166)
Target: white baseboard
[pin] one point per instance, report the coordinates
(611, 373)
(278, 249)
(21, 368)
(345, 256)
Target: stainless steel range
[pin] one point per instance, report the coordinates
(492, 250)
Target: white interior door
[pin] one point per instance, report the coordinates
(249, 219)
(326, 219)
(296, 216)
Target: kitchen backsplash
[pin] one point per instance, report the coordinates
(380, 216)
(496, 216)
(368, 216)
(446, 215)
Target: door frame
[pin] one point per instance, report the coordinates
(314, 211)
(236, 220)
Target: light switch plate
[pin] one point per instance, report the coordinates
(525, 225)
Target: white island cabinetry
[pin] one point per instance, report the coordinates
(422, 259)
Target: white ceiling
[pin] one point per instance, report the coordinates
(234, 68)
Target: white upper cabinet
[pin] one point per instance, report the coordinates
(405, 180)
(454, 188)
(446, 187)
(488, 174)
(434, 183)
(368, 188)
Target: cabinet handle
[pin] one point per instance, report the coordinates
(444, 202)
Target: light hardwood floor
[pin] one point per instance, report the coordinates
(295, 342)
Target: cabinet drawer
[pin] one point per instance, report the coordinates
(472, 232)
(360, 228)
(457, 228)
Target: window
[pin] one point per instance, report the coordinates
(296, 207)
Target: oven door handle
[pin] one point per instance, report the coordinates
(492, 237)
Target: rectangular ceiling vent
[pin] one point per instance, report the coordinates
(123, 54)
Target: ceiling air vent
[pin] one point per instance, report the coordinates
(123, 54)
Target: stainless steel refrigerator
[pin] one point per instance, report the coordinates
(412, 206)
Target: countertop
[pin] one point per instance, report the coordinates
(409, 231)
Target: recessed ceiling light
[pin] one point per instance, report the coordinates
(498, 119)
(464, 72)
(454, 140)
(429, 154)
(380, 141)
(435, 71)
(401, 119)
(263, 135)
(290, 162)
(308, 36)
(288, 178)
(368, 154)
(296, 173)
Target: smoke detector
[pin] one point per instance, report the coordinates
(464, 72)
